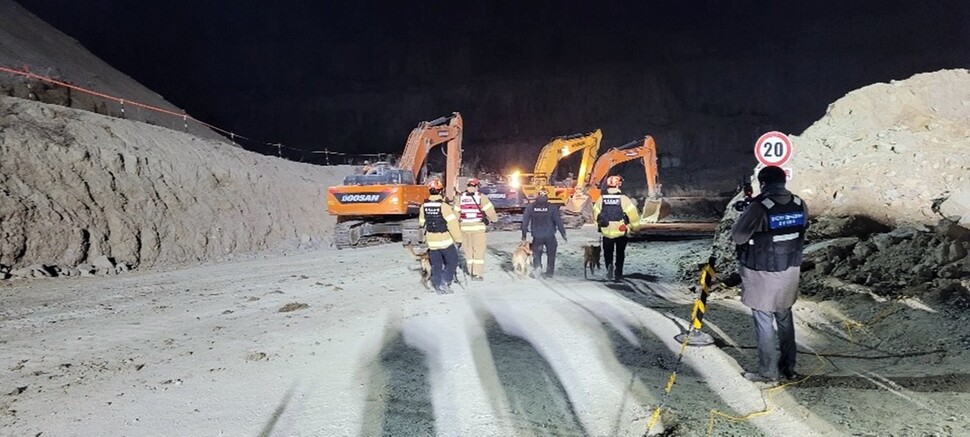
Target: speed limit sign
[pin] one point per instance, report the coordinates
(773, 148)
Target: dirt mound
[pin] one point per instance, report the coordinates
(885, 175)
(896, 152)
(76, 186)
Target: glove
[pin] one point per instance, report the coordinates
(486, 221)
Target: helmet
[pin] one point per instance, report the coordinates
(614, 181)
(473, 182)
(435, 186)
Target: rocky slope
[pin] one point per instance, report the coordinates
(896, 152)
(885, 174)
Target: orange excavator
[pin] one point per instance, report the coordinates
(654, 207)
(382, 203)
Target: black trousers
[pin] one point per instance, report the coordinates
(444, 263)
(541, 244)
(619, 244)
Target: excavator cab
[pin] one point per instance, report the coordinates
(381, 173)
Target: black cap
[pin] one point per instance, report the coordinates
(772, 175)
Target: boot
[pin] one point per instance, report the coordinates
(609, 271)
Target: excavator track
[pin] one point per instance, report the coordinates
(347, 234)
(363, 233)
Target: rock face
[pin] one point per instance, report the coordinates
(896, 152)
(81, 188)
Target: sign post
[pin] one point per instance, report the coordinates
(774, 148)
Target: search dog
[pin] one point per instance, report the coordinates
(591, 259)
(522, 260)
(424, 259)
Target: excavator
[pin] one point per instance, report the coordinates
(383, 203)
(549, 157)
(654, 207)
(654, 221)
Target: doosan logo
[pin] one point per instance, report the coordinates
(361, 198)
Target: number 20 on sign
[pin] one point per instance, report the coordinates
(773, 148)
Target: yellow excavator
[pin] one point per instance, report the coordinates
(382, 202)
(654, 208)
(549, 157)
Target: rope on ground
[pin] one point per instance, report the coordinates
(670, 384)
(770, 394)
(849, 326)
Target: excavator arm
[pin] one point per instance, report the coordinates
(645, 149)
(426, 136)
(557, 149)
(561, 147)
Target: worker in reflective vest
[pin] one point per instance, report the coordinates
(475, 212)
(616, 216)
(442, 234)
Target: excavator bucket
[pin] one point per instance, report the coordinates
(576, 202)
(654, 210)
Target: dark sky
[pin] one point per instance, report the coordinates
(358, 75)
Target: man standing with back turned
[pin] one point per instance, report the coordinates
(770, 235)
(442, 233)
(475, 213)
(543, 218)
(616, 216)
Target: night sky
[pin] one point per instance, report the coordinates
(360, 75)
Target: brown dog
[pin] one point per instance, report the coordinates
(591, 258)
(424, 258)
(522, 260)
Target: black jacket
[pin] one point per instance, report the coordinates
(544, 219)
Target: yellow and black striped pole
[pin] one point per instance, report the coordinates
(694, 336)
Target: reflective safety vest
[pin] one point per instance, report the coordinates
(472, 210)
(616, 215)
(434, 220)
(778, 246)
(612, 208)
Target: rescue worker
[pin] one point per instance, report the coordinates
(442, 234)
(616, 216)
(543, 218)
(475, 213)
(770, 235)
